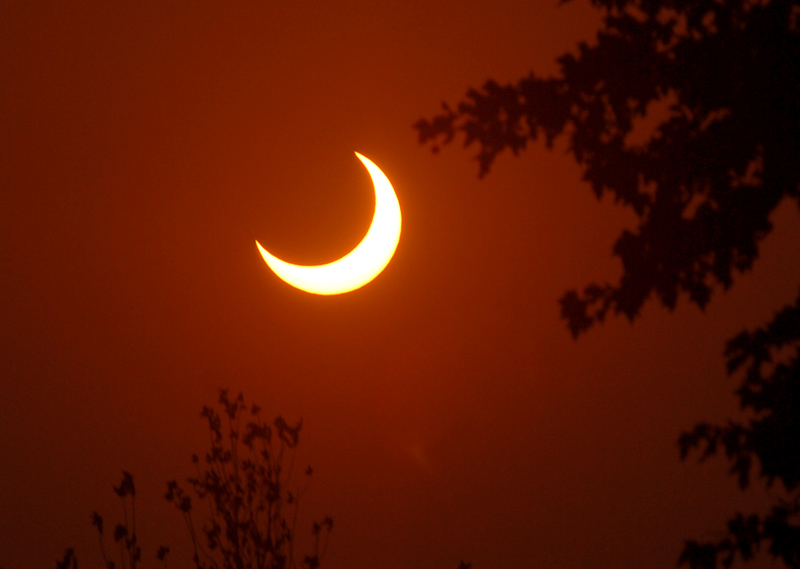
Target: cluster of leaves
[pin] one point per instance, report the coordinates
(124, 533)
(243, 479)
(706, 179)
(770, 394)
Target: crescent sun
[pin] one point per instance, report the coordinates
(363, 263)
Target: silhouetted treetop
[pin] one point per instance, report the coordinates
(704, 181)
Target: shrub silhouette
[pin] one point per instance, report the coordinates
(245, 479)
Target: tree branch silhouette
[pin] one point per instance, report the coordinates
(770, 394)
(705, 181)
(703, 184)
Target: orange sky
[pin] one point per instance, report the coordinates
(447, 412)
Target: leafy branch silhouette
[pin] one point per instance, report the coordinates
(703, 184)
(705, 181)
(770, 394)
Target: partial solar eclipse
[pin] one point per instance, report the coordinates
(360, 265)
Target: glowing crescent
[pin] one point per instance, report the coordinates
(363, 263)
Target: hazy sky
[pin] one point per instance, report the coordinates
(448, 413)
